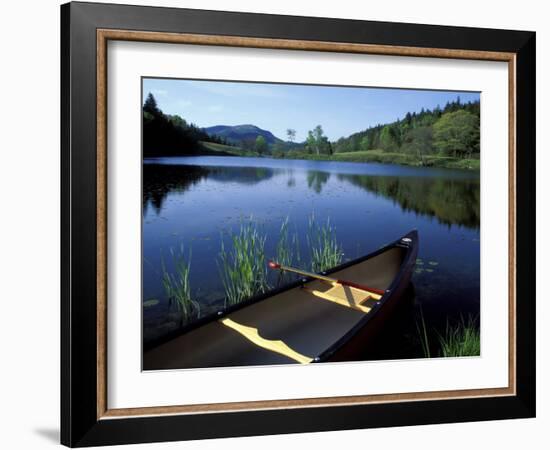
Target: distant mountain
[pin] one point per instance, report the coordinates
(241, 133)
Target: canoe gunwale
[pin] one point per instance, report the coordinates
(297, 284)
(403, 276)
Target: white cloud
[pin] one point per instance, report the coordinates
(184, 103)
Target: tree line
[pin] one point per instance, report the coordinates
(449, 131)
(171, 135)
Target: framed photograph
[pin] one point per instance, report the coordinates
(277, 224)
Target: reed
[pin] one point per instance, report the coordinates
(462, 339)
(176, 284)
(243, 268)
(287, 251)
(423, 333)
(324, 248)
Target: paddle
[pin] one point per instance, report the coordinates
(274, 265)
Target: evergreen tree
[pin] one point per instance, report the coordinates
(150, 106)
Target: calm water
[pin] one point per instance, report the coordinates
(195, 201)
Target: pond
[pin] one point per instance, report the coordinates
(195, 202)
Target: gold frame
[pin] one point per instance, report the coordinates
(103, 36)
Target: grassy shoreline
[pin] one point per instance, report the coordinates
(380, 156)
(363, 156)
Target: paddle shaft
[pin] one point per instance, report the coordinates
(304, 273)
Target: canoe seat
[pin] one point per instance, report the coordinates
(276, 346)
(347, 296)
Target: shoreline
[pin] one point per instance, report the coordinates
(376, 156)
(361, 156)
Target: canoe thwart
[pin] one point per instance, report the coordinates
(345, 296)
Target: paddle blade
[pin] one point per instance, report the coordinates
(273, 265)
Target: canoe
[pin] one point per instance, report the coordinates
(309, 321)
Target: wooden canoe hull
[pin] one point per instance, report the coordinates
(368, 332)
(292, 325)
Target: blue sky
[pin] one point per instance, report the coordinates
(341, 111)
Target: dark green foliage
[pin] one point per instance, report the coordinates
(451, 131)
(150, 106)
(170, 135)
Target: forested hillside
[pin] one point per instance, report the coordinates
(244, 136)
(170, 135)
(450, 131)
(443, 137)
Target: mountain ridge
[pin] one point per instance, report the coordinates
(237, 134)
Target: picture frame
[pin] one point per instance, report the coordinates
(86, 418)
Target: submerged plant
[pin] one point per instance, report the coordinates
(176, 284)
(463, 339)
(243, 268)
(324, 248)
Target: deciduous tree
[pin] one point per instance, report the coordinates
(457, 134)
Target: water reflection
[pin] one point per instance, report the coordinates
(317, 179)
(159, 180)
(453, 200)
(194, 202)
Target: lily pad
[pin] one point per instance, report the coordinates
(433, 263)
(429, 270)
(150, 302)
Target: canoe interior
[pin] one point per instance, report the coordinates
(294, 319)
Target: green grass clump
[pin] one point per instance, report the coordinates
(287, 250)
(243, 268)
(463, 339)
(325, 250)
(176, 284)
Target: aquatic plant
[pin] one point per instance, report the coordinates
(287, 250)
(176, 284)
(462, 339)
(150, 302)
(325, 250)
(243, 268)
(423, 333)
